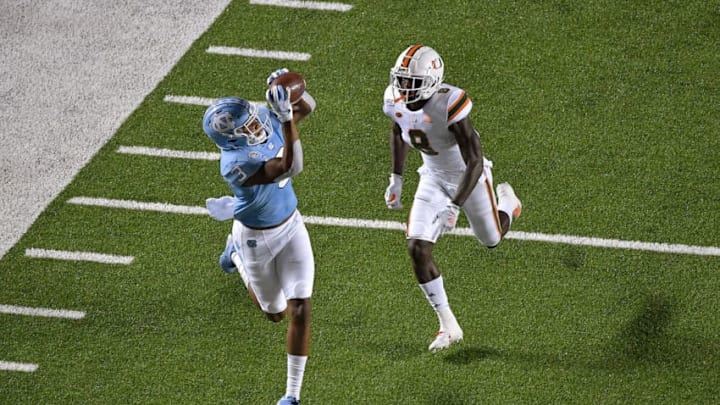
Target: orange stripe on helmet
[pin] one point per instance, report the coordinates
(409, 54)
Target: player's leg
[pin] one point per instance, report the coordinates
(296, 271)
(422, 233)
(482, 214)
(298, 346)
(230, 262)
(489, 219)
(256, 253)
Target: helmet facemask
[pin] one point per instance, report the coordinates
(411, 88)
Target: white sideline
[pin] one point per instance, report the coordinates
(87, 65)
(44, 312)
(312, 5)
(13, 366)
(391, 225)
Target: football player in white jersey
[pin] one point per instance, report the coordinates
(269, 246)
(434, 118)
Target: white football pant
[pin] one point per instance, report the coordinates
(279, 262)
(434, 194)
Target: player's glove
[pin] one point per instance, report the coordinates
(274, 75)
(279, 100)
(393, 191)
(447, 218)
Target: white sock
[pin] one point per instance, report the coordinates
(435, 293)
(295, 372)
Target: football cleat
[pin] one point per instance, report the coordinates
(287, 400)
(443, 339)
(226, 262)
(505, 192)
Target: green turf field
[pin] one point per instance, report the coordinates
(602, 114)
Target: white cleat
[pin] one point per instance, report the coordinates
(505, 192)
(443, 339)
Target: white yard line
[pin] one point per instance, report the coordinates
(391, 225)
(78, 256)
(259, 53)
(202, 101)
(312, 5)
(12, 366)
(169, 153)
(44, 312)
(139, 206)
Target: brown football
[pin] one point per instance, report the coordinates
(295, 81)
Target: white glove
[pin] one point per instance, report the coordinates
(279, 100)
(221, 208)
(392, 193)
(448, 217)
(274, 75)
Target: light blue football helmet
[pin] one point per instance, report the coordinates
(233, 122)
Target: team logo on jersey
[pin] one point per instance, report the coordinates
(398, 114)
(252, 243)
(253, 155)
(271, 146)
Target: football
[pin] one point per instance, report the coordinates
(295, 81)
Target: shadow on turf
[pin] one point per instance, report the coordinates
(644, 340)
(648, 339)
(468, 354)
(645, 336)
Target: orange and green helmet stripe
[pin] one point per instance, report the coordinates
(409, 54)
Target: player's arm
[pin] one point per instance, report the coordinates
(303, 107)
(398, 155)
(398, 150)
(290, 163)
(468, 141)
(285, 166)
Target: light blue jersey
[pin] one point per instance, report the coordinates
(262, 205)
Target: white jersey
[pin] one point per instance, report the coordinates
(427, 129)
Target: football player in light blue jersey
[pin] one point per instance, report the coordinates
(260, 205)
(269, 245)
